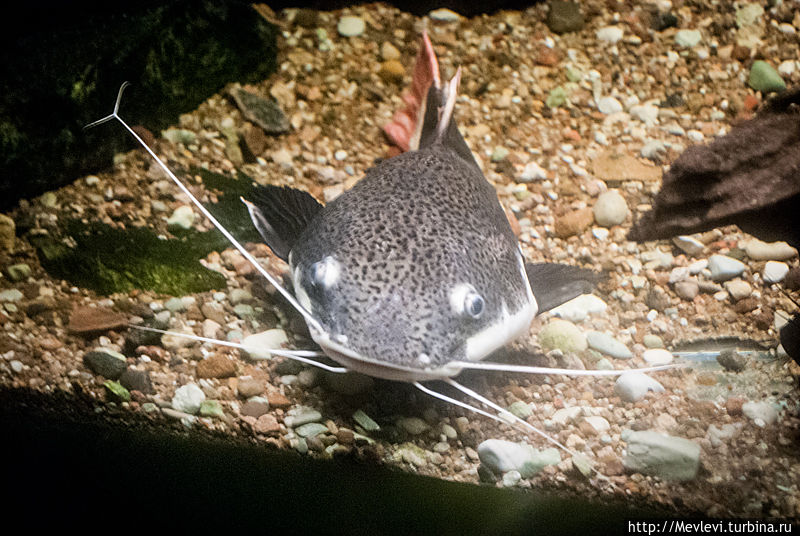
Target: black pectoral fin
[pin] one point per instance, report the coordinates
(281, 214)
(790, 337)
(554, 284)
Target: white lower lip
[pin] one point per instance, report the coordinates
(357, 363)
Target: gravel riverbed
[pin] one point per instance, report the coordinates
(573, 119)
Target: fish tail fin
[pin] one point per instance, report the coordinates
(428, 115)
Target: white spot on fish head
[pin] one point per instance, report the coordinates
(326, 272)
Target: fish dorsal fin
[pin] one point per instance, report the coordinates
(427, 117)
(281, 214)
(439, 124)
(406, 126)
(553, 284)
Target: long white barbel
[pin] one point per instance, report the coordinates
(285, 293)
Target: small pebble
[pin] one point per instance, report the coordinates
(564, 16)
(501, 456)
(657, 356)
(259, 344)
(365, 422)
(18, 272)
(249, 387)
(761, 413)
(211, 408)
(511, 478)
(763, 77)
(687, 290)
(689, 245)
(646, 113)
(652, 341)
(563, 335)
(389, 51)
(668, 457)
(301, 416)
(609, 105)
(311, 429)
(738, 289)
(769, 251)
(597, 424)
(565, 415)
(633, 386)
(444, 15)
(7, 234)
(188, 399)
(390, 71)
(775, 271)
(182, 218)
(732, 360)
(413, 425)
(606, 344)
(520, 409)
(11, 295)
(724, 268)
(351, 26)
(654, 150)
(532, 172)
(610, 34)
(106, 363)
(610, 209)
(687, 38)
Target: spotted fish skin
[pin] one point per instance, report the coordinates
(404, 237)
(414, 270)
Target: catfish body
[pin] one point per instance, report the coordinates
(415, 269)
(418, 230)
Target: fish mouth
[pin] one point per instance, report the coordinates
(379, 369)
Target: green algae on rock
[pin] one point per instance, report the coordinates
(108, 260)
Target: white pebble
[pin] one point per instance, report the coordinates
(687, 38)
(444, 15)
(657, 356)
(738, 289)
(695, 135)
(577, 309)
(787, 68)
(188, 398)
(633, 386)
(259, 343)
(775, 271)
(533, 172)
(350, 26)
(760, 411)
(610, 34)
(769, 251)
(610, 209)
(698, 266)
(689, 245)
(646, 113)
(723, 267)
(609, 105)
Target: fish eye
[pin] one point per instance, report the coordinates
(465, 301)
(474, 304)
